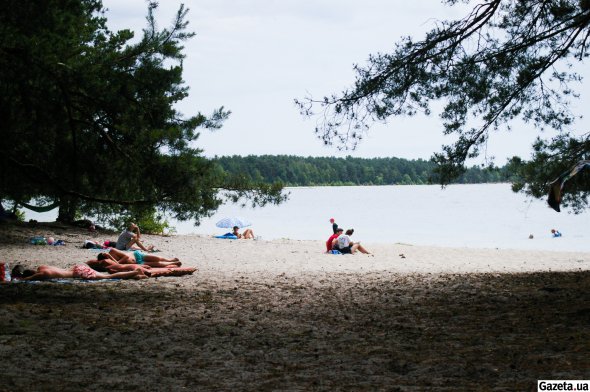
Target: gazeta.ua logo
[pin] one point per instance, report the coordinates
(563, 385)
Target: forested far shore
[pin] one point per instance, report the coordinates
(313, 171)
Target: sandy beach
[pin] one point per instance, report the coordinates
(283, 315)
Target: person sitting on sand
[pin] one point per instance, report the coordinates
(330, 243)
(555, 233)
(129, 239)
(80, 271)
(248, 233)
(136, 257)
(346, 246)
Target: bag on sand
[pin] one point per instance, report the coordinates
(4, 272)
(91, 245)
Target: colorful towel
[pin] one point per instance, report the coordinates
(227, 236)
(159, 272)
(63, 281)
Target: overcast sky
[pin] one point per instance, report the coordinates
(254, 57)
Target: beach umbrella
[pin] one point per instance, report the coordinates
(234, 221)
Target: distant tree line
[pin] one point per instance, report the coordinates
(312, 171)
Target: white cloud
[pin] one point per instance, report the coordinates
(255, 57)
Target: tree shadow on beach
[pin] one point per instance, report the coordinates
(361, 332)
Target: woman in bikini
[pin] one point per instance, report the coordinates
(137, 257)
(112, 266)
(247, 235)
(80, 271)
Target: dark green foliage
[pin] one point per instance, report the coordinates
(505, 60)
(565, 152)
(150, 221)
(310, 171)
(88, 117)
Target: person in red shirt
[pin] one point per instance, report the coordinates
(332, 238)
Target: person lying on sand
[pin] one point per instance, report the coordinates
(107, 264)
(80, 271)
(112, 266)
(136, 257)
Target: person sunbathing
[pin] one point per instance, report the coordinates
(112, 266)
(136, 257)
(247, 235)
(79, 271)
(107, 264)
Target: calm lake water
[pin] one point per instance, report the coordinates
(475, 216)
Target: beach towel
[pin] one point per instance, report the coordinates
(159, 272)
(100, 250)
(64, 281)
(227, 236)
(39, 240)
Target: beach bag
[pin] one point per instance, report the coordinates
(38, 240)
(91, 245)
(4, 272)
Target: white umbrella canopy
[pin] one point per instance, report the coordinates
(233, 221)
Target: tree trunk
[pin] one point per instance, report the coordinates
(67, 209)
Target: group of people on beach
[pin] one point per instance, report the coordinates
(130, 258)
(340, 241)
(124, 261)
